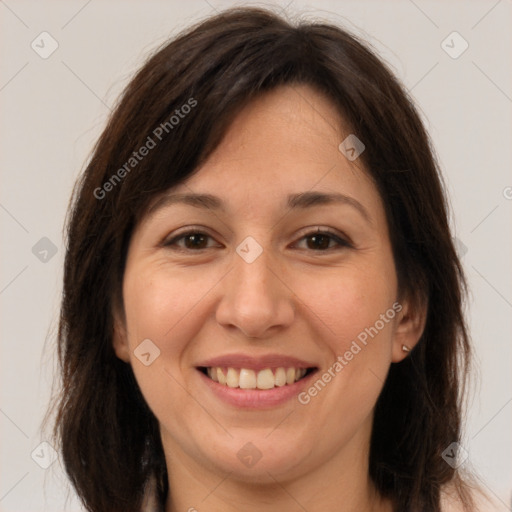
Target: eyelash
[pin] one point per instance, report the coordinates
(341, 243)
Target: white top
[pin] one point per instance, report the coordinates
(150, 503)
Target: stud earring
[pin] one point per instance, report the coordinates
(405, 348)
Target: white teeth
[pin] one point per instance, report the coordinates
(266, 379)
(212, 373)
(233, 378)
(280, 377)
(220, 376)
(245, 378)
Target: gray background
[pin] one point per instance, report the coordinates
(53, 109)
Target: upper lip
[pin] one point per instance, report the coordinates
(255, 363)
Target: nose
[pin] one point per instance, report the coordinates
(255, 298)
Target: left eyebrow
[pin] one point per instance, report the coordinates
(309, 199)
(294, 201)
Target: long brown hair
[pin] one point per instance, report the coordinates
(109, 438)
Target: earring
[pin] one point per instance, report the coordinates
(405, 348)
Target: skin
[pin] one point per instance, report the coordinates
(294, 299)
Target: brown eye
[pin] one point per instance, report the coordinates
(319, 242)
(193, 240)
(324, 240)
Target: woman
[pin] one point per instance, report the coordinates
(262, 301)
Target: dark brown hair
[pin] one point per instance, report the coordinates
(109, 438)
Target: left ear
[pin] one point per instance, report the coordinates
(410, 324)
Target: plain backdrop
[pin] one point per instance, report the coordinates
(53, 109)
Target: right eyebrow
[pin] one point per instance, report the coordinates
(205, 201)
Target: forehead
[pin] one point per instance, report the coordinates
(284, 142)
(285, 125)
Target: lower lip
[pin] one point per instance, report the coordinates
(256, 398)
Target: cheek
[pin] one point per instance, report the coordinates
(358, 318)
(358, 311)
(163, 308)
(159, 304)
(167, 307)
(350, 302)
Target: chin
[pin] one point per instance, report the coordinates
(259, 460)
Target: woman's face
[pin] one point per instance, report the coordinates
(284, 269)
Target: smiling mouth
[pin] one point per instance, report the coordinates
(245, 378)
